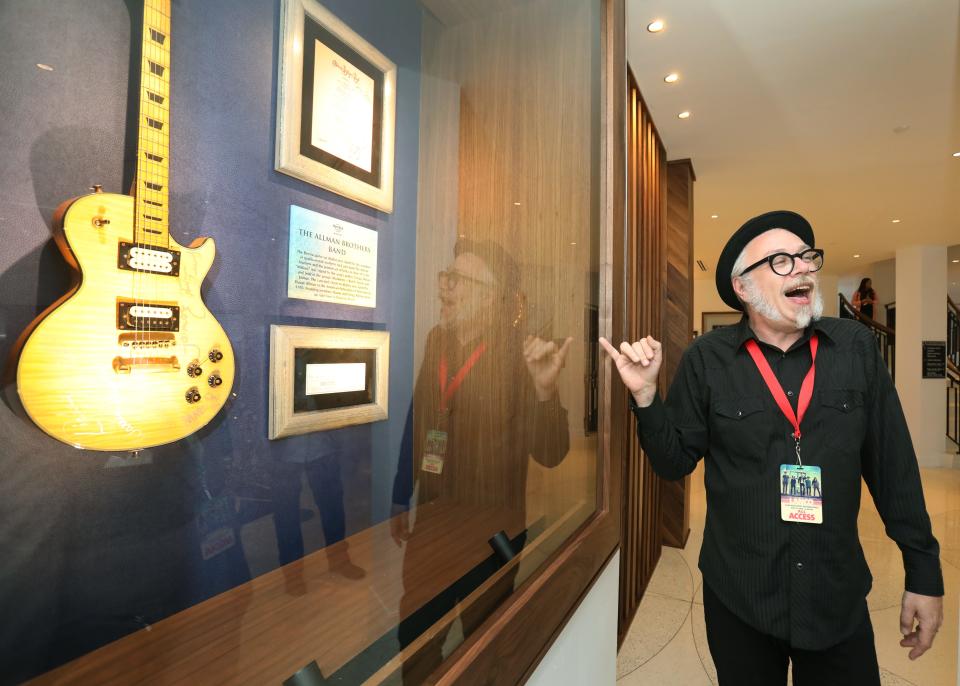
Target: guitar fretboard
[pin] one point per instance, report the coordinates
(151, 225)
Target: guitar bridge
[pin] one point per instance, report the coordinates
(146, 340)
(138, 257)
(147, 318)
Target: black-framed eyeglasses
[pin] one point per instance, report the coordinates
(449, 278)
(782, 263)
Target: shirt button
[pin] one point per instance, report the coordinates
(739, 413)
(799, 565)
(845, 406)
(790, 393)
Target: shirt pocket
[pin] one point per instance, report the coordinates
(741, 426)
(843, 418)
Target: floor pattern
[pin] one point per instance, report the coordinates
(667, 643)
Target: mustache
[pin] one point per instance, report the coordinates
(800, 281)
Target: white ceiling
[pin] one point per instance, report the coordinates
(793, 106)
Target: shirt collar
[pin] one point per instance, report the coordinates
(745, 333)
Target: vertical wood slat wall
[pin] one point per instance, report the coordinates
(645, 266)
(677, 325)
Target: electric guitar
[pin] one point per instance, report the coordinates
(131, 357)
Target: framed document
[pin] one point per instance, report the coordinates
(336, 106)
(326, 378)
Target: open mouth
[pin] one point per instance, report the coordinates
(800, 294)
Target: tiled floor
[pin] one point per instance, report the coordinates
(667, 644)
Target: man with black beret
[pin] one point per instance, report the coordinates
(788, 394)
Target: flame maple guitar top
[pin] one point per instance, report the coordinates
(130, 359)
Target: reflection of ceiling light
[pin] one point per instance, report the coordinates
(857, 255)
(463, 235)
(955, 261)
(573, 243)
(517, 204)
(684, 115)
(655, 26)
(672, 78)
(956, 154)
(894, 221)
(714, 216)
(45, 67)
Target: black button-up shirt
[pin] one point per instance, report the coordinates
(805, 583)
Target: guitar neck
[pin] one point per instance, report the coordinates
(151, 224)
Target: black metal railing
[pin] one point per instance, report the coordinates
(953, 403)
(886, 337)
(953, 332)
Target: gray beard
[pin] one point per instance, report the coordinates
(765, 308)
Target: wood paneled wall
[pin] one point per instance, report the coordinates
(677, 325)
(645, 270)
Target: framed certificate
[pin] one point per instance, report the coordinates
(326, 378)
(336, 106)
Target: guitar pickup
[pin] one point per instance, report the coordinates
(138, 257)
(146, 318)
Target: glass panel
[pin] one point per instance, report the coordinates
(342, 448)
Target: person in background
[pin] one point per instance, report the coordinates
(864, 298)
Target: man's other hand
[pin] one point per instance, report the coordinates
(920, 619)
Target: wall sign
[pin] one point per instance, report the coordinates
(331, 260)
(934, 360)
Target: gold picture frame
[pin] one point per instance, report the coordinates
(316, 383)
(336, 106)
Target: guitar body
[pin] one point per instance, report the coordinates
(130, 358)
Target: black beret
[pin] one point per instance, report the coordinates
(780, 219)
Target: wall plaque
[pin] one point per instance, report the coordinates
(934, 360)
(331, 260)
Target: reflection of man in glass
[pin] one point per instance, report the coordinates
(485, 401)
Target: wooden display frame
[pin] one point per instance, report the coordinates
(285, 341)
(296, 156)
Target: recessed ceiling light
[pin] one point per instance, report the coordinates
(655, 26)
(857, 255)
(714, 216)
(573, 243)
(955, 261)
(517, 204)
(672, 77)
(894, 221)
(44, 67)
(684, 115)
(956, 154)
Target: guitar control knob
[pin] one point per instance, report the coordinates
(215, 355)
(194, 369)
(192, 396)
(214, 380)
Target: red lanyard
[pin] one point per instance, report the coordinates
(449, 386)
(806, 388)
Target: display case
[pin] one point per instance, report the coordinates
(298, 303)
